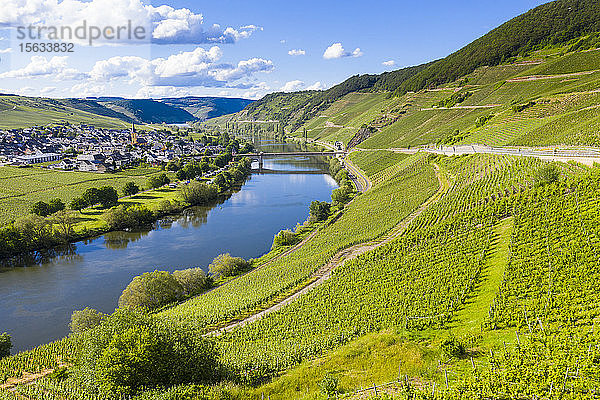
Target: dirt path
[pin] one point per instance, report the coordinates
(350, 253)
(543, 77)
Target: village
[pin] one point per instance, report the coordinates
(90, 149)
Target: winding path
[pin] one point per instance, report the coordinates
(324, 273)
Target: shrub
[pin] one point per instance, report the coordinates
(546, 175)
(56, 205)
(41, 208)
(130, 189)
(132, 351)
(452, 347)
(78, 204)
(285, 238)
(126, 217)
(85, 319)
(91, 196)
(5, 345)
(226, 265)
(108, 196)
(319, 211)
(193, 280)
(151, 290)
(197, 193)
(341, 195)
(157, 181)
(329, 385)
(166, 207)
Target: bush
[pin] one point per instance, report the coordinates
(127, 217)
(151, 290)
(285, 238)
(452, 347)
(130, 189)
(546, 175)
(157, 181)
(5, 345)
(342, 195)
(132, 351)
(193, 280)
(78, 204)
(329, 385)
(108, 196)
(166, 207)
(226, 265)
(85, 319)
(56, 205)
(41, 208)
(319, 211)
(197, 193)
(91, 197)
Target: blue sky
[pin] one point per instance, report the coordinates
(246, 55)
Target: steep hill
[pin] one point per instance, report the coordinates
(151, 111)
(203, 108)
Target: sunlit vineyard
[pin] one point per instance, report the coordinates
(363, 220)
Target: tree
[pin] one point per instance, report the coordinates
(319, 211)
(156, 181)
(91, 196)
(34, 229)
(41, 208)
(197, 193)
(341, 195)
(151, 290)
(130, 189)
(56, 205)
(64, 221)
(193, 280)
(546, 175)
(125, 217)
(108, 196)
(226, 265)
(285, 238)
(5, 345)
(85, 319)
(78, 204)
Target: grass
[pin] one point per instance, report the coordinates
(20, 188)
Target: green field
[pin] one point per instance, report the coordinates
(20, 188)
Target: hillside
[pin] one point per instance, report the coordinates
(451, 277)
(203, 108)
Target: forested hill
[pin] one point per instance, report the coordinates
(294, 109)
(553, 23)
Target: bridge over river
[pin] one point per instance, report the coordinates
(262, 155)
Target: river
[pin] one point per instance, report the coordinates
(37, 298)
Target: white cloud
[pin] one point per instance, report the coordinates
(163, 24)
(389, 63)
(157, 92)
(40, 66)
(89, 89)
(195, 68)
(316, 86)
(336, 50)
(292, 86)
(283, 41)
(4, 51)
(297, 52)
(48, 89)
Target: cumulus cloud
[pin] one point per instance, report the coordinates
(297, 52)
(292, 86)
(316, 86)
(158, 92)
(40, 66)
(163, 24)
(199, 67)
(336, 50)
(389, 63)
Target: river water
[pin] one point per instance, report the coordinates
(37, 298)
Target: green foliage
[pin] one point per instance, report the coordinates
(130, 189)
(41, 208)
(131, 351)
(85, 319)
(319, 211)
(157, 181)
(342, 195)
(329, 385)
(285, 238)
(127, 217)
(108, 196)
(453, 100)
(78, 204)
(225, 265)
(56, 205)
(481, 121)
(546, 175)
(452, 347)
(5, 345)
(192, 280)
(196, 193)
(151, 290)
(517, 108)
